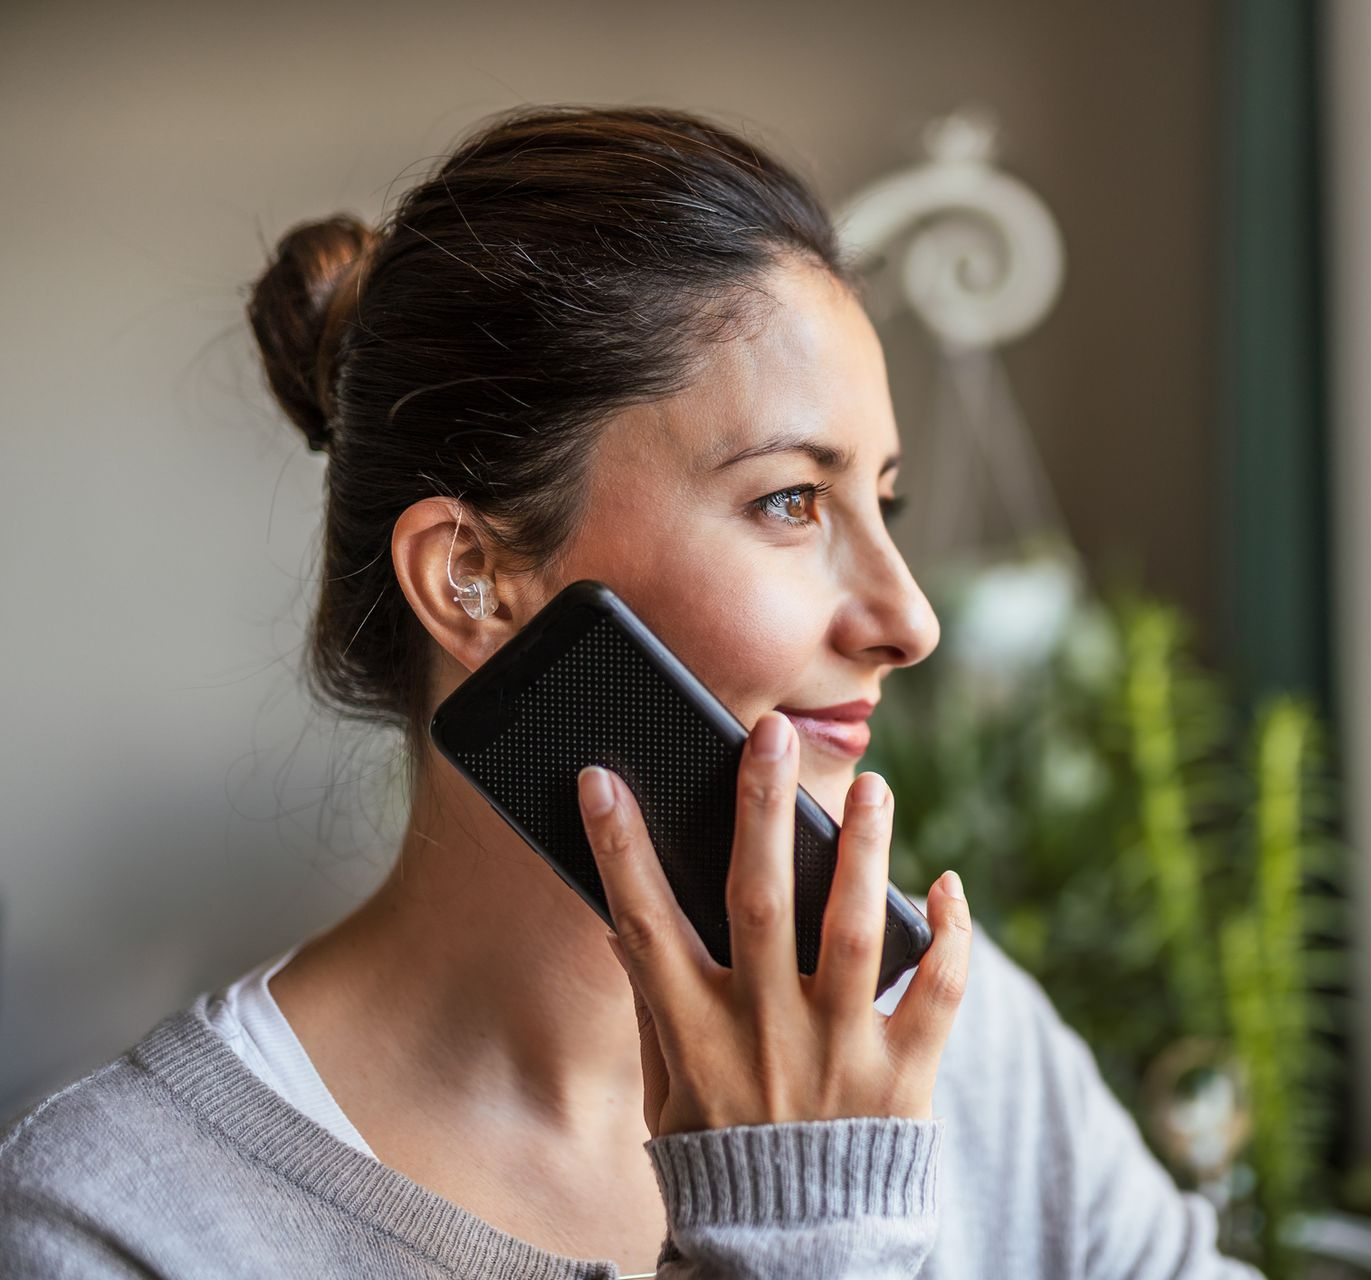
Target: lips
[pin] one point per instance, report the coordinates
(858, 710)
(839, 729)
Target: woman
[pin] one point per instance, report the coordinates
(622, 345)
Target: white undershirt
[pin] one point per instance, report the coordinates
(246, 1014)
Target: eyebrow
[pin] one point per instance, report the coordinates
(826, 455)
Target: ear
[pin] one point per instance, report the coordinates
(419, 547)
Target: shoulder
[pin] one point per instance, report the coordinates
(87, 1172)
(74, 1131)
(82, 1150)
(1002, 998)
(61, 1166)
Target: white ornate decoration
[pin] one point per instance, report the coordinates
(983, 262)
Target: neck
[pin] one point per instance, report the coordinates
(486, 980)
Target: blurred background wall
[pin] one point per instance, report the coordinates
(172, 809)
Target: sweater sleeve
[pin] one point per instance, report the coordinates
(816, 1199)
(1139, 1223)
(1135, 1221)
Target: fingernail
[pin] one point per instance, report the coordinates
(597, 792)
(952, 885)
(771, 736)
(869, 789)
(617, 949)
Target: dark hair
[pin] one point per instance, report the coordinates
(562, 263)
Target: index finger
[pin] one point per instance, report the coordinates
(663, 950)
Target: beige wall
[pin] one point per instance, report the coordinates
(165, 822)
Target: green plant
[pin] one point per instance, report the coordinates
(1162, 865)
(1174, 722)
(1281, 959)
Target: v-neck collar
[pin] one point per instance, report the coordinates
(192, 1060)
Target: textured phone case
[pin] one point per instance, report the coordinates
(586, 682)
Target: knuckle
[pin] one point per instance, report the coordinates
(848, 942)
(945, 987)
(756, 906)
(638, 930)
(763, 791)
(615, 842)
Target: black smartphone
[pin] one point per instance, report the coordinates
(587, 682)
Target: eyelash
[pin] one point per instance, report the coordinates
(890, 507)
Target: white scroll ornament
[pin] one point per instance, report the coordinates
(983, 261)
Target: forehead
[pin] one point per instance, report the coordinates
(812, 366)
(808, 363)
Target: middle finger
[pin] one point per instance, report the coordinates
(761, 869)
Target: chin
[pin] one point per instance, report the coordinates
(829, 790)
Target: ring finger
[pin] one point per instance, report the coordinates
(853, 935)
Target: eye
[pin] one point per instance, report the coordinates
(778, 505)
(781, 504)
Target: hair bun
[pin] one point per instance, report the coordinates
(299, 308)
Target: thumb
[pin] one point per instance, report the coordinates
(656, 1080)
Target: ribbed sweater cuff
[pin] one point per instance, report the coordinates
(799, 1172)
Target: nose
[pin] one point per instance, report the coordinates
(885, 617)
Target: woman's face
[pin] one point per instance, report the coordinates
(774, 594)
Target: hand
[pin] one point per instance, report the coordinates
(761, 1042)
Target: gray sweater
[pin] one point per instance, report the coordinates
(176, 1160)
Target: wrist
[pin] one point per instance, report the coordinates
(800, 1171)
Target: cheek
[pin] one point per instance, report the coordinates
(753, 636)
(751, 633)
(752, 640)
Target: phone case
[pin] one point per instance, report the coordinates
(587, 682)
